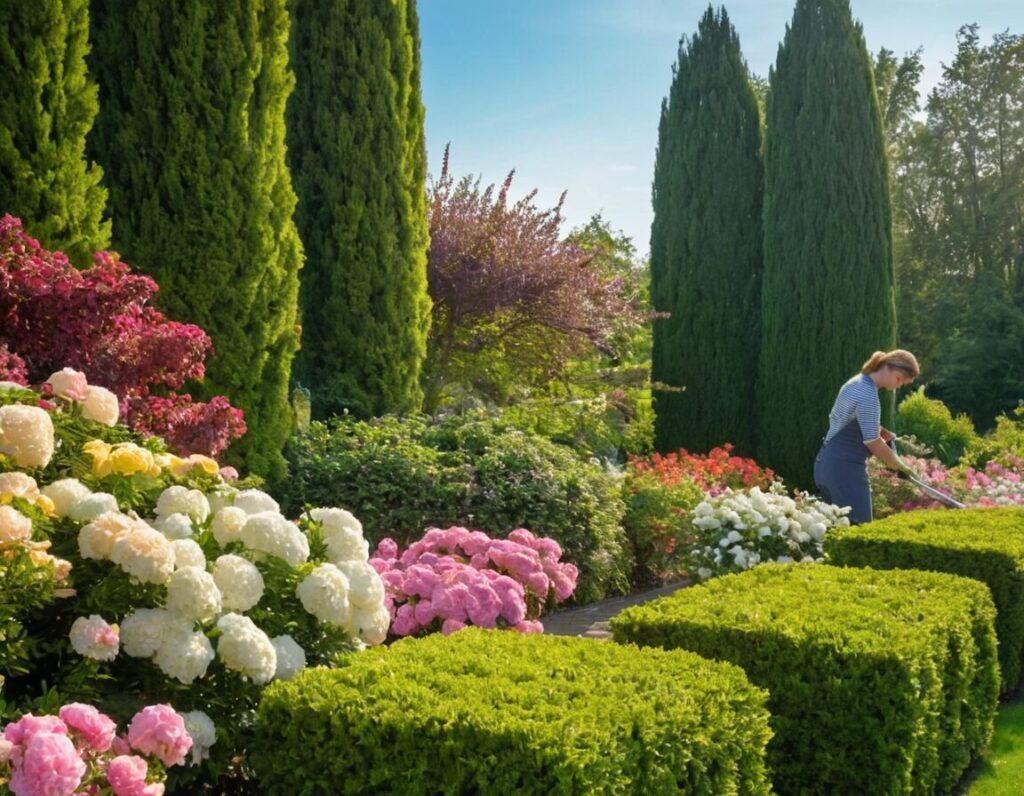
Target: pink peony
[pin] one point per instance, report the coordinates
(49, 766)
(160, 731)
(21, 732)
(96, 730)
(127, 776)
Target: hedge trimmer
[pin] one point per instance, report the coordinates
(928, 490)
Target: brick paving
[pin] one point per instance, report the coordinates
(591, 621)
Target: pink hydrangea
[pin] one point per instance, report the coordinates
(49, 765)
(88, 725)
(159, 730)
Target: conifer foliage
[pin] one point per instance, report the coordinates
(706, 245)
(356, 148)
(47, 106)
(828, 299)
(191, 135)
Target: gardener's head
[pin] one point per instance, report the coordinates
(892, 370)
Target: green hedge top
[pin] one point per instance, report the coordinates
(489, 712)
(879, 682)
(985, 544)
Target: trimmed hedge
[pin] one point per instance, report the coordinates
(984, 544)
(485, 712)
(878, 682)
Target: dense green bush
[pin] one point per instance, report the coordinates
(879, 682)
(484, 712)
(984, 544)
(931, 422)
(402, 476)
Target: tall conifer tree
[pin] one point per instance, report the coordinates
(356, 147)
(706, 245)
(828, 299)
(191, 133)
(47, 106)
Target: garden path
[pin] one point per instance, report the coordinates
(591, 621)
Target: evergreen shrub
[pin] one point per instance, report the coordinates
(401, 476)
(984, 544)
(878, 682)
(485, 712)
(931, 422)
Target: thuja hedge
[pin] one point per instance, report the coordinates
(879, 682)
(487, 712)
(984, 544)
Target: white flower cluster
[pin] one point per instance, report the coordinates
(246, 649)
(97, 403)
(349, 594)
(740, 529)
(26, 435)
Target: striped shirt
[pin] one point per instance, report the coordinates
(858, 398)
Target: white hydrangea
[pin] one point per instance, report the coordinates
(145, 554)
(101, 405)
(26, 434)
(239, 581)
(371, 624)
(143, 631)
(220, 497)
(65, 493)
(188, 553)
(182, 500)
(268, 532)
(324, 593)
(91, 506)
(96, 539)
(203, 733)
(253, 501)
(12, 385)
(343, 535)
(365, 588)
(20, 485)
(291, 658)
(174, 526)
(246, 649)
(183, 654)
(227, 525)
(193, 594)
(93, 638)
(14, 526)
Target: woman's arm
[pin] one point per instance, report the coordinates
(882, 451)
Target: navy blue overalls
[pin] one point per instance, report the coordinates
(841, 472)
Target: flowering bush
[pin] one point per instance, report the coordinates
(998, 483)
(737, 530)
(713, 473)
(99, 321)
(456, 577)
(79, 751)
(130, 570)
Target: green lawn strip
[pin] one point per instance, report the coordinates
(1001, 771)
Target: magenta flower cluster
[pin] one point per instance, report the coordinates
(99, 321)
(456, 577)
(79, 752)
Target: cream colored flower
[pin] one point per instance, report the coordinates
(174, 526)
(181, 500)
(101, 405)
(145, 554)
(246, 649)
(239, 581)
(91, 506)
(324, 593)
(193, 594)
(371, 624)
(20, 485)
(268, 532)
(68, 384)
(365, 588)
(203, 733)
(14, 526)
(291, 658)
(94, 638)
(143, 631)
(188, 553)
(227, 525)
(253, 501)
(97, 538)
(26, 434)
(183, 654)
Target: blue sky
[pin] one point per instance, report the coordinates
(568, 92)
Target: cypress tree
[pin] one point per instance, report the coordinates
(47, 106)
(191, 133)
(356, 148)
(706, 245)
(828, 296)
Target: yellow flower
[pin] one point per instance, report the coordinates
(100, 452)
(208, 465)
(46, 505)
(129, 458)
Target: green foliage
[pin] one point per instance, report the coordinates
(931, 422)
(706, 245)
(880, 682)
(984, 544)
(47, 105)
(402, 476)
(482, 712)
(191, 137)
(356, 149)
(1003, 442)
(828, 296)
(1002, 770)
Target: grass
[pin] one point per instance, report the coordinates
(1001, 771)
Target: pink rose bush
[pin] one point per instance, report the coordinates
(456, 577)
(78, 752)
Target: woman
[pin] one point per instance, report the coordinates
(855, 432)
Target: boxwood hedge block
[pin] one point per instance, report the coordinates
(879, 682)
(984, 544)
(488, 712)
